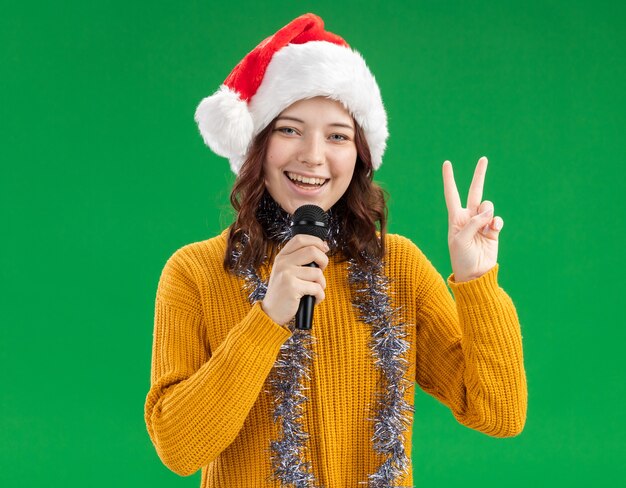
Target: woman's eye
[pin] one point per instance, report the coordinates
(287, 130)
(339, 137)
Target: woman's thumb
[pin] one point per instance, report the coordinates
(479, 221)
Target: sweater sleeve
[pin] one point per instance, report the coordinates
(469, 351)
(198, 399)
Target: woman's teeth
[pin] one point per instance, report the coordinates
(305, 180)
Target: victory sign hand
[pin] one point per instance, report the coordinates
(472, 231)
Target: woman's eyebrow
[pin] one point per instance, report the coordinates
(337, 124)
(286, 117)
(294, 119)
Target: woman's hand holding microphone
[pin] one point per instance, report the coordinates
(291, 278)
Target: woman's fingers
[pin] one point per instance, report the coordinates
(477, 223)
(475, 193)
(303, 249)
(486, 205)
(315, 275)
(303, 240)
(303, 252)
(291, 278)
(493, 228)
(450, 192)
(312, 288)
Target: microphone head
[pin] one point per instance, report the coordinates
(311, 220)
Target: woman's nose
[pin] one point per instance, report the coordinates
(312, 151)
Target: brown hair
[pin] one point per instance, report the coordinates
(361, 211)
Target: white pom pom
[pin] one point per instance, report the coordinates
(225, 124)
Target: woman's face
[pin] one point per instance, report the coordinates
(311, 154)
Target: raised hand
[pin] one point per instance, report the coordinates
(472, 231)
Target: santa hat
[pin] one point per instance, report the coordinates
(300, 61)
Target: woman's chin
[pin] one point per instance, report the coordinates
(293, 206)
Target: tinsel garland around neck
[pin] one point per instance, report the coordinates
(388, 345)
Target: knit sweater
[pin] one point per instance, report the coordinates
(209, 407)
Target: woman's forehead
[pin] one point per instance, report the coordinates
(317, 107)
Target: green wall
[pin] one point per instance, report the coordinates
(104, 176)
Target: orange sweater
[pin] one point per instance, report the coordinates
(209, 408)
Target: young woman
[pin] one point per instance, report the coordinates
(236, 389)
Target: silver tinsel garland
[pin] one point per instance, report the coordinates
(393, 413)
(372, 300)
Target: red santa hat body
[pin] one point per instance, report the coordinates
(300, 61)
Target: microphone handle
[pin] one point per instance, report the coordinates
(304, 315)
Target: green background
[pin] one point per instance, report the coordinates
(104, 176)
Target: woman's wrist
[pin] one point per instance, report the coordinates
(463, 279)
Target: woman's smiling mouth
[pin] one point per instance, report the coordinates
(304, 181)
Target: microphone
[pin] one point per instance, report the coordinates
(311, 220)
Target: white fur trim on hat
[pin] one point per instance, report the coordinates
(226, 125)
